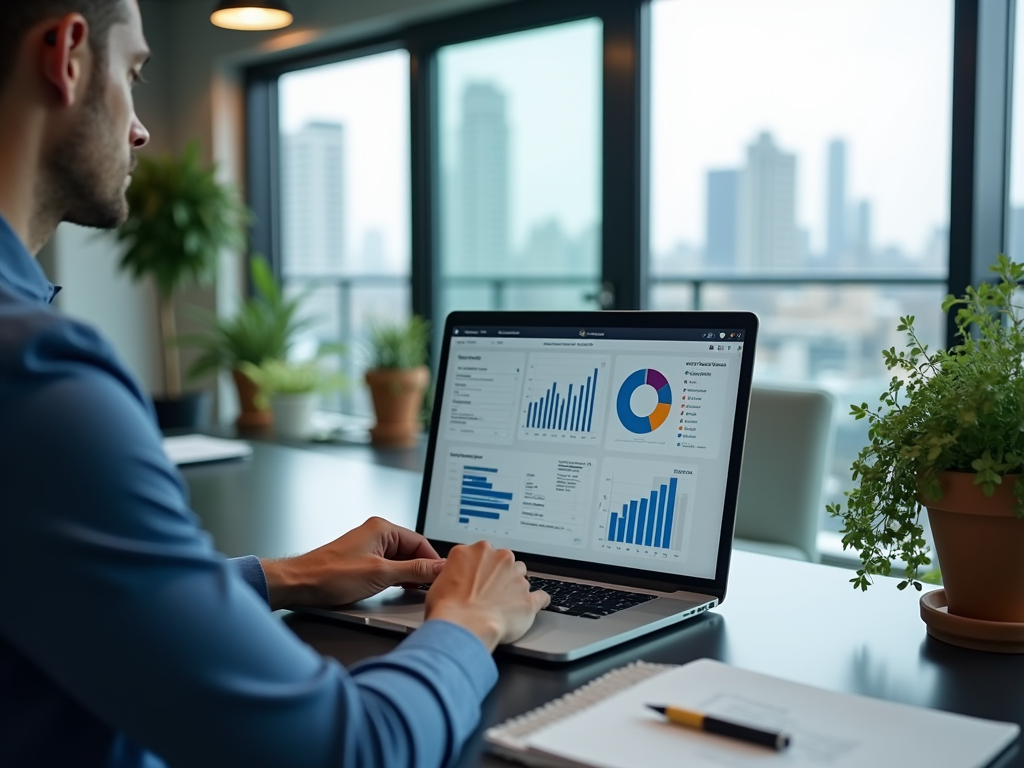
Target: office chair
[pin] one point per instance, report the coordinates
(789, 439)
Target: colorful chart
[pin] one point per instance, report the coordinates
(641, 425)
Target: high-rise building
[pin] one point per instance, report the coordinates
(313, 200)
(836, 209)
(723, 191)
(768, 237)
(860, 226)
(483, 206)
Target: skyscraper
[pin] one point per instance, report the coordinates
(722, 219)
(836, 210)
(860, 237)
(483, 211)
(313, 200)
(768, 237)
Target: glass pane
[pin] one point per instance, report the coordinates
(345, 202)
(1015, 216)
(823, 147)
(833, 336)
(823, 150)
(520, 151)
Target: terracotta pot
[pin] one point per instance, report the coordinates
(397, 400)
(249, 416)
(979, 542)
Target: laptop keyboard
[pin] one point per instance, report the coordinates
(586, 600)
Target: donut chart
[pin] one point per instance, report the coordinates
(642, 425)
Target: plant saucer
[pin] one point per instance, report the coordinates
(978, 635)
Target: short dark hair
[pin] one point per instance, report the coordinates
(18, 16)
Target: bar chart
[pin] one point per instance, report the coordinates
(649, 521)
(574, 413)
(479, 498)
(644, 506)
(562, 398)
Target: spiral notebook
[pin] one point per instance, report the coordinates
(606, 724)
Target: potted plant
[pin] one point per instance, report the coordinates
(180, 218)
(398, 376)
(949, 436)
(264, 328)
(290, 390)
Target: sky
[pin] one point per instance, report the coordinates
(876, 73)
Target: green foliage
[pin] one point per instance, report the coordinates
(180, 218)
(399, 345)
(960, 410)
(264, 327)
(274, 377)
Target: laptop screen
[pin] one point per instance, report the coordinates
(605, 444)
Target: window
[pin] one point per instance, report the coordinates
(344, 205)
(793, 157)
(520, 165)
(800, 164)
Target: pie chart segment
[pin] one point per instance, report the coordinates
(642, 424)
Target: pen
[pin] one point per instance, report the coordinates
(702, 722)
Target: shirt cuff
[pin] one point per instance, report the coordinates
(251, 570)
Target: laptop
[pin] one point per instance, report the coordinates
(604, 449)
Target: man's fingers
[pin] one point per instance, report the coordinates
(414, 572)
(541, 599)
(404, 544)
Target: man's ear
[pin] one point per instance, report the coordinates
(67, 58)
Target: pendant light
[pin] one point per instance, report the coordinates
(251, 14)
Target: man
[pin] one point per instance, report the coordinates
(125, 639)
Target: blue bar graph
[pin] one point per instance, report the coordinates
(648, 521)
(478, 497)
(569, 412)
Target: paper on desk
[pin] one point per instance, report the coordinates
(191, 449)
(828, 729)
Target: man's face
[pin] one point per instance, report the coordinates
(89, 170)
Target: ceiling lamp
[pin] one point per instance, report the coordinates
(251, 14)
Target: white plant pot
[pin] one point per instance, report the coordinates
(293, 415)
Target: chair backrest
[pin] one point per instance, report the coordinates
(789, 438)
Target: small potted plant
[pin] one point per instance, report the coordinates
(948, 436)
(290, 391)
(398, 376)
(264, 328)
(180, 218)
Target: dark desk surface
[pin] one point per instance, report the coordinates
(799, 621)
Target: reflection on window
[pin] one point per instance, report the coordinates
(796, 145)
(521, 175)
(345, 202)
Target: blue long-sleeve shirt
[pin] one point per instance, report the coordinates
(126, 640)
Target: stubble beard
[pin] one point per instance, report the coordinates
(84, 178)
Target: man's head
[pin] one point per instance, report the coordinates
(67, 68)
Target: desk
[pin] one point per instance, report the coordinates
(800, 621)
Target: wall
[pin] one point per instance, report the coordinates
(193, 92)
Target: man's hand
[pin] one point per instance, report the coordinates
(363, 562)
(485, 590)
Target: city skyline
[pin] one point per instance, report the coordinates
(751, 223)
(875, 72)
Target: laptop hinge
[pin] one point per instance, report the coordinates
(656, 585)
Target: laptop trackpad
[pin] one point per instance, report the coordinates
(392, 608)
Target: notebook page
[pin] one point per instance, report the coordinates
(828, 729)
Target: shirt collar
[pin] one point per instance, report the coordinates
(19, 271)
